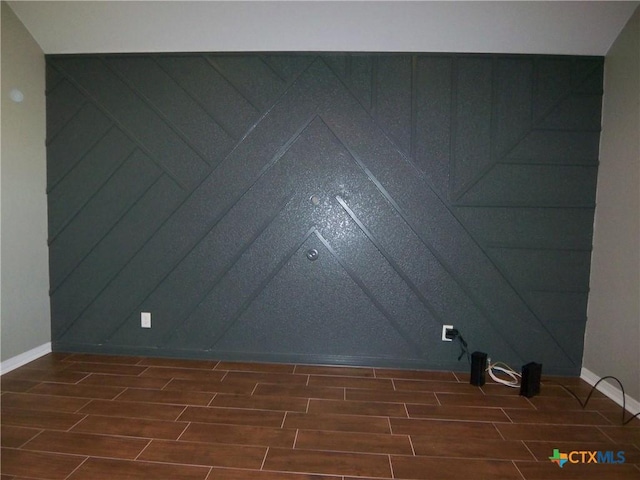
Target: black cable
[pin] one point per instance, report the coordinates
(623, 422)
(464, 348)
(631, 418)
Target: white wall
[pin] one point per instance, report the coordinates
(24, 311)
(579, 28)
(612, 339)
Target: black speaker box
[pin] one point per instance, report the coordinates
(478, 368)
(530, 385)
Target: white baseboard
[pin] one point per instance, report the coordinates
(610, 390)
(24, 358)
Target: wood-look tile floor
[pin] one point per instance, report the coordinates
(90, 417)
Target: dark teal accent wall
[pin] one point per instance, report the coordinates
(436, 189)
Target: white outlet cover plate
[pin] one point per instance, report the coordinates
(444, 333)
(145, 320)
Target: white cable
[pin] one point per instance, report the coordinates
(513, 383)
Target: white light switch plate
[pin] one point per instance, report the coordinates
(145, 319)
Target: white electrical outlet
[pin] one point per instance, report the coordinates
(145, 319)
(445, 329)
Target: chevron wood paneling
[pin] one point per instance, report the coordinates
(323, 208)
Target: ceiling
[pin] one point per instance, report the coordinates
(552, 27)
